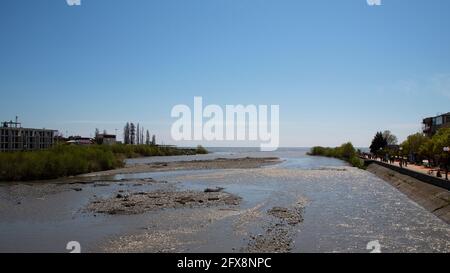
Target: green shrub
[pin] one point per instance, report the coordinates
(357, 162)
(68, 160)
(201, 150)
(345, 152)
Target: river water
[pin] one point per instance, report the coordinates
(344, 209)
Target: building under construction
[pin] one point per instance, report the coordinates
(15, 138)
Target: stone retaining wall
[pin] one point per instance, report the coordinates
(433, 198)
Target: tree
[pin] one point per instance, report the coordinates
(147, 138)
(126, 134)
(97, 132)
(390, 138)
(153, 140)
(378, 143)
(440, 140)
(138, 135)
(132, 134)
(347, 150)
(426, 150)
(412, 145)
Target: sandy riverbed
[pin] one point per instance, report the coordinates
(219, 163)
(302, 204)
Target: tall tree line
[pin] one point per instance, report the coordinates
(137, 135)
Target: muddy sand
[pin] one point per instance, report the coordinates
(219, 163)
(279, 233)
(141, 202)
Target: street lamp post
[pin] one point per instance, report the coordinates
(446, 150)
(401, 157)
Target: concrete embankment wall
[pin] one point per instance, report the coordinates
(439, 182)
(433, 198)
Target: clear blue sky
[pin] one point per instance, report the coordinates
(340, 70)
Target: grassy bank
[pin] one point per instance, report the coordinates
(344, 152)
(63, 160)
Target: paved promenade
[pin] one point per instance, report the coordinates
(418, 168)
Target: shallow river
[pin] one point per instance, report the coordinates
(344, 209)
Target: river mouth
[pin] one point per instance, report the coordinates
(342, 209)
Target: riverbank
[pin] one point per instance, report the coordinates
(344, 152)
(67, 160)
(434, 199)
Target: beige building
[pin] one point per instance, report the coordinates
(105, 139)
